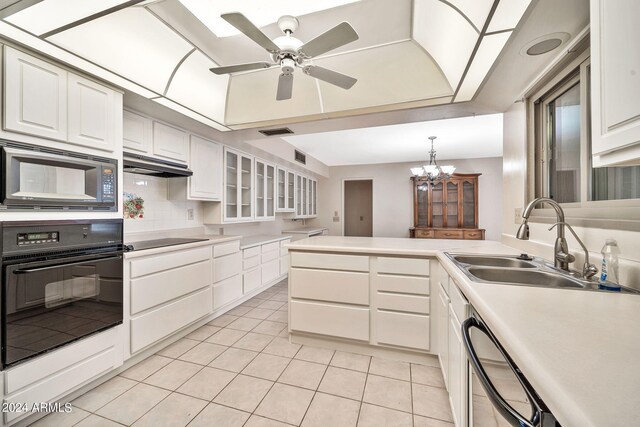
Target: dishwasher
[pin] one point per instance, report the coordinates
(498, 392)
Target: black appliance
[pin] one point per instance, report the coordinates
(43, 178)
(61, 281)
(159, 243)
(499, 394)
(143, 165)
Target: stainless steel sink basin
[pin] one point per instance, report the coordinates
(494, 261)
(525, 277)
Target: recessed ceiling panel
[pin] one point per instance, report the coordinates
(446, 35)
(487, 53)
(52, 14)
(388, 74)
(190, 113)
(252, 97)
(476, 10)
(508, 14)
(194, 85)
(463, 138)
(130, 42)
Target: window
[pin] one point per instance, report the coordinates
(562, 154)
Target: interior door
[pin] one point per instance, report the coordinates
(358, 208)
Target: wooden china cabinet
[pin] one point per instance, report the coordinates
(447, 208)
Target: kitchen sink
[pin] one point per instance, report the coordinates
(494, 261)
(525, 277)
(524, 271)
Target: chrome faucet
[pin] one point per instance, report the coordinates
(588, 270)
(561, 255)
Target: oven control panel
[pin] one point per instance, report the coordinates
(38, 238)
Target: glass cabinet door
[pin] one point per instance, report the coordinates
(437, 205)
(231, 185)
(270, 190)
(291, 193)
(452, 204)
(246, 168)
(260, 186)
(468, 205)
(305, 196)
(299, 195)
(422, 201)
(314, 199)
(282, 190)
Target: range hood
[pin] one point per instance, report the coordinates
(136, 163)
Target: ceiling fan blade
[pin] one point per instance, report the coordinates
(329, 76)
(285, 87)
(240, 67)
(245, 26)
(338, 36)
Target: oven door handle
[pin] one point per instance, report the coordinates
(510, 414)
(69, 264)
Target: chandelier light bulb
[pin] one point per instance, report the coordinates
(432, 171)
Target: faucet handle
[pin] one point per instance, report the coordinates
(565, 257)
(589, 270)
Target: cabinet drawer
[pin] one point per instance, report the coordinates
(249, 263)
(423, 234)
(269, 256)
(402, 329)
(284, 265)
(410, 303)
(328, 319)
(449, 234)
(269, 247)
(250, 252)
(405, 284)
(226, 266)
(270, 271)
(251, 280)
(226, 291)
(459, 303)
(413, 266)
(155, 289)
(326, 285)
(473, 234)
(330, 261)
(168, 261)
(226, 249)
(162, 322)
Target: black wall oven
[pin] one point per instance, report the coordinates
(61, 281)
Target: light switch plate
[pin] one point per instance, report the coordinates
(190, 215)
(336, 219)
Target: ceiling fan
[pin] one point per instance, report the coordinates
(288, 52)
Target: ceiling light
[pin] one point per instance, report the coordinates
(259, 12)
(544, 44)
(433, 172)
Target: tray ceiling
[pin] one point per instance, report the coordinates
(410, 53)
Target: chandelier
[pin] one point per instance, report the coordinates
(432, 171)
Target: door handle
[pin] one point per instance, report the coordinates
(70, 264)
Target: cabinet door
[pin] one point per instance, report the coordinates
(137, 132)
(469, 204)
(305, 196)
(205, 160)
(298, 195)
(260, 199)
(35, 96)
(231, 184)
(270, 191)
(170, 142)
(281, 190)
(452, 208)
(291, 191)
(246, 189)
(615, 76)
(421, 194)
(92, 112)
(437, 205)
(457, 369)
(443, 333)
(314, 200)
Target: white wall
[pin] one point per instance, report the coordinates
(393, 198)
(541, 240)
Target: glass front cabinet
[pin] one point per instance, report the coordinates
(238, 186)
(285, 189)
(306, 197)
(265, 190)
(447, 208)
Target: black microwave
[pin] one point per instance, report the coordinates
(36, 177)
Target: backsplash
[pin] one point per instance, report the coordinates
(160, 213)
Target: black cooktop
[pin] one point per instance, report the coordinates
(159, 243)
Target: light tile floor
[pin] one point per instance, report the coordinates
(241, 370)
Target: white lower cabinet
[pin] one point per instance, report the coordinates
(443, 333)
(227, 274)
(227, 291)
(251, 279)
(330, 319)
(59, 372)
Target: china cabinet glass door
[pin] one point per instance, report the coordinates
(422, 198)
(468, 204)
(452, 204)
(437, 205)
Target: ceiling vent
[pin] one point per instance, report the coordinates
(276, 132)
(300, 157)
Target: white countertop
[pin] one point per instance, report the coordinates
(210, 240)
(305, 230)
(580, 350)
(250, 241)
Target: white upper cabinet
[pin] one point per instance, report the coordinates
(285, 190)
(170, 142)
(137, 133)
(35, 96)
(615, 82)
(92, 109)
(305, 197)
(205, 160)
(264, 190)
